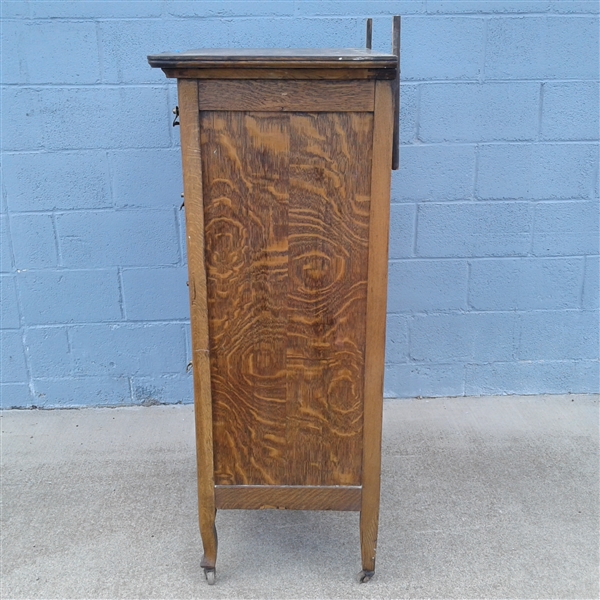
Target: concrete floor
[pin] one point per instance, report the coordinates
(481, 498)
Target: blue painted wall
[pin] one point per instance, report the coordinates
(494, 233)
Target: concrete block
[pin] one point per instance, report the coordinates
(558, 335)
(434, 173)
(536, 171)
(119, 238)
(424, 381)
(402, 230)
(15, 9)
(409, 103)
(24, 129)
(566, 228)
(396, 345)
(570, 110)
(9, 307)
(126, 44)
(591, 283)
(14, 64)
(69, 296)
(14, 368)
(57, 180)
(473, 229)
(54, 52)
(420, 285)
(570, 48)
(156, 294)
(174, 389)
(106, 117)
(125, 350)
(525, 283)
(15, 395)
(533, 377)
(470, 337)
(448, 48)
(514, 48)
(86, 391)
(358, 7)
(473, 112)
(540, 47)
(575, 6)
(33, 241)
(220, 9)
(146, 178)
(6, 261)
(487, 7)
(48, 351)
(106, 9)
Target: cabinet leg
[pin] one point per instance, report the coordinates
(369, 521)
(208, 533)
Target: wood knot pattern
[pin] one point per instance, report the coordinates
(286, 210)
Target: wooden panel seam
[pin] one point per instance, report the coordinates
(287, 96)
(344, 498)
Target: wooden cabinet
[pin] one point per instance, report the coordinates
(286, 164)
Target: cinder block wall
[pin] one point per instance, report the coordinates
(493, 283)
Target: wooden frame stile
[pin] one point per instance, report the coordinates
(189, 116)
(375, 323)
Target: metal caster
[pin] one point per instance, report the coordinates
(210, 575)
(365, 576)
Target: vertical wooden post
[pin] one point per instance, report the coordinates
(375, 323)
(194, 212)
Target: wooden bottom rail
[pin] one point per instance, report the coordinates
(290, 497)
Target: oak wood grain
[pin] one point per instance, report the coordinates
(328, 224)
(192, 185)
(290, 96)
(288, 497)
(286, 199)
(376, 314)
(245, 162)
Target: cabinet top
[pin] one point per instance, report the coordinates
(380, 65)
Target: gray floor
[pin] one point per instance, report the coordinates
(481, 498)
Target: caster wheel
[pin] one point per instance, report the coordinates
(365, 576)
(210, 575)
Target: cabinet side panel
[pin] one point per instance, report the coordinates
(329, 203)
(245, 166)
(287, 204)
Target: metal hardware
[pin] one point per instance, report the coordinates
(183, 203)
(369, 34)
(176, 113)
(396, 96)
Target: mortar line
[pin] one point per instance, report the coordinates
(540, 111)
(483, 52)
(475, 173)
(417, 131)
(121, 296)
(100, 49)
(532, 224)
(110, 175)
(415, 231)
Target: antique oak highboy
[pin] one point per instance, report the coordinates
(286, 165)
